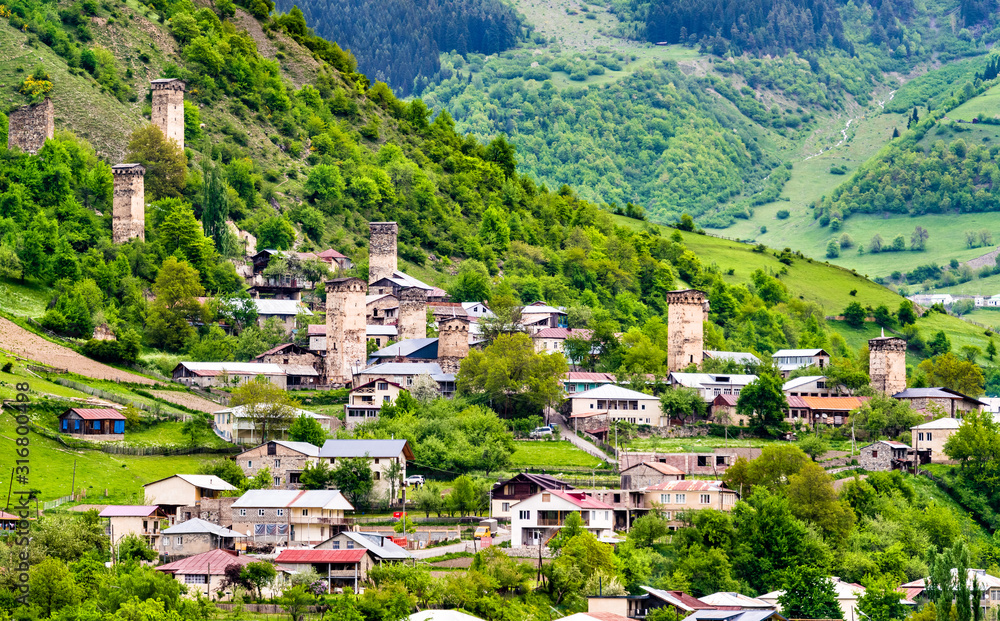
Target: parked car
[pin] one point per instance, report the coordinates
(414, 479)
(541, 432)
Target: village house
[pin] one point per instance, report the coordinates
(809, 386)
(521, 486)
(196, 536)
(933, 436)
(537, 316)
(678, 497)
(176, 495)
(205, 573)
(394, 285)
(538, 518)
(936, 402)
(381, 309)
(317, 338)
(711, 385)
(382, 455)
(551, 340)
(403, 373)
(579, 381)
(227, 374)
(237, 425)
(285, 461)
(285, 310)
(710, 463)
(101, 424)
(381, 335)
(626, 505)
(382, 548)
(885, 455)
(647, 473)
(365, 401)
(810, 411)
(735, 615)
(302, 367)
(477, 309)
(847, 594)
(290, 517)
(143, 521)
(723, 410)
(594, 409)
(730, 600)
(788, 360)
(989, 585)
(340, 568)
(640, 605)
(335, 260)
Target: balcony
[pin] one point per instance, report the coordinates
(557, 518)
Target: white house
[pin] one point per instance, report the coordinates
(538, 518)
(615, 403)
(809, 386)
(236, 425)
(788, 360)
(284, 310)
(711, 385)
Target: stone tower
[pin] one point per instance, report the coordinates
(382, 250)
(31, 126)
(412, 314)
(345, 329)
(887, 364)
(168, 108)
(129, 203)
(685, 339)
(453, 343)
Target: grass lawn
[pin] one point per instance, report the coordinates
(38, 386)
(554, 454)
(122, 475)
(987, 287)
(28, 300)
(170, 434)
(984, 106)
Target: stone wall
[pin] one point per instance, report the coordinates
(376, 311)
(453, 343)
(382, 250)
(871, 463)
(283, 462)
(685, 338)
(215, 510)
(168, 109)
(887, 364)
(412, 314)
(345, 328)
(129, 203)
(310, 360)
(31, 126)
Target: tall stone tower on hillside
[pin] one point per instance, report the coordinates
(887, 364)
(168, 108)
(128, 209)
(685, 337)
(382, 250)
(30, 126)
(453, 343)
(412, 314)
(345, 329)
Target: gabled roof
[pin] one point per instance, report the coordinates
(378, 296)
(239, 411)
(543, 481)
(731, 599)
(890, 444)
(374, 381)
(609, 391)
(406, 348)
(280, 307)
(329, 499)
(320, 556)
(317, 329)
(96, 413)
(843, 590)
(580, 499)
(979, 575)
(659, 467)
(403, 368)
(678, 599)
(331, 254)
(541, 307)
(363, 448)
(798, 353)
(373, 330)
(309, 450)
(197, 526)
(934, 393)
(563, 333)
(587, 376)
(801, 381)
(204, 481)
(941, 423)
(845, 404)
(698, 380)
(734, 615)
(299, 370)
(731, 400)
(211, 369)
(130, 511)
(688, 486)
(380, 546)
(283, 346)
(735, 356)
(213, 562)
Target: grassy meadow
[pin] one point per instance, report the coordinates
(554, 454)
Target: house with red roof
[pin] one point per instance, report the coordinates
(144, 521)
(364, 402)
(674, 498)
(538, 518)
(204, 573)
(646, 473)
(550, 340)
(102, 424)
(336, 260)
(823, 410)
(340, 568)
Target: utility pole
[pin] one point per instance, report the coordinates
(72, 487)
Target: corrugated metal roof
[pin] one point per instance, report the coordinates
(236, 368)
(129, 511)
(363, 448)
(563, 333)
(379, 545)
(687, 486)
(213, 562)
(933, 393)
(698, 380)
(403, 368)
(404, 348)
(97, 413)
(320, 556)
(372, 330)
(679, 599)
(239, 411)
(280, 307)
(733, 599)
(284, 498)
(801, 381)
(587, 376)
(206, 481)
(844, 404)
(197, 526)
(579, 499)
(317, 329)
(331, 254)
(941, 423)
(610, 391)
(735, 356)
(301, 370)
(797, 353)
(659, 467)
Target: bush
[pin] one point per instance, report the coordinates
(782, 214)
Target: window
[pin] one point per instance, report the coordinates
(643, 406)
(524, 515)
(305, 512)
(376, 460)
(260, 513)
(249, 464)
(386, 398)
(618, 498)
(720, 460)
(920, 437)
(705, 499)
(874, 454)
(243, 512)
(929, 438)
(606, 516)
(336, 545)
(702, 460)
(377, 475)
(680, 499)
(272, 448)
(145, 526)
(180, 541)
(664, 499)
(166, 541)
(277, 463)
(666, 515)
(546, 497)
(281, 513)
(277, 481)
(195, 579)
(505, 506)
(383, 385)
(350, 545)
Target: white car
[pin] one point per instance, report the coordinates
(414, 479)
(541, 432)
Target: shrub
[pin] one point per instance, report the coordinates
(782, 214)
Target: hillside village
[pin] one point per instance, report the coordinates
(586, 417)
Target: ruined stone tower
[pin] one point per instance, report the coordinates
(168, 108)
(345, 329)
(685, 339)
(453, 343)
(887, 364)
(382, 250)
(129, 204)
(412, 314)
(31, 126)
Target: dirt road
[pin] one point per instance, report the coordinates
(24, 344)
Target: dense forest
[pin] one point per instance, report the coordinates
(395, 41)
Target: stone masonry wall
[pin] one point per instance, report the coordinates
(887, 364)
(168, 109)
(882, 463)
(31, 126)
(453, 343)
(412, 314)
(129, 203)
(685, 338)
(345, 328)
(382, 250)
